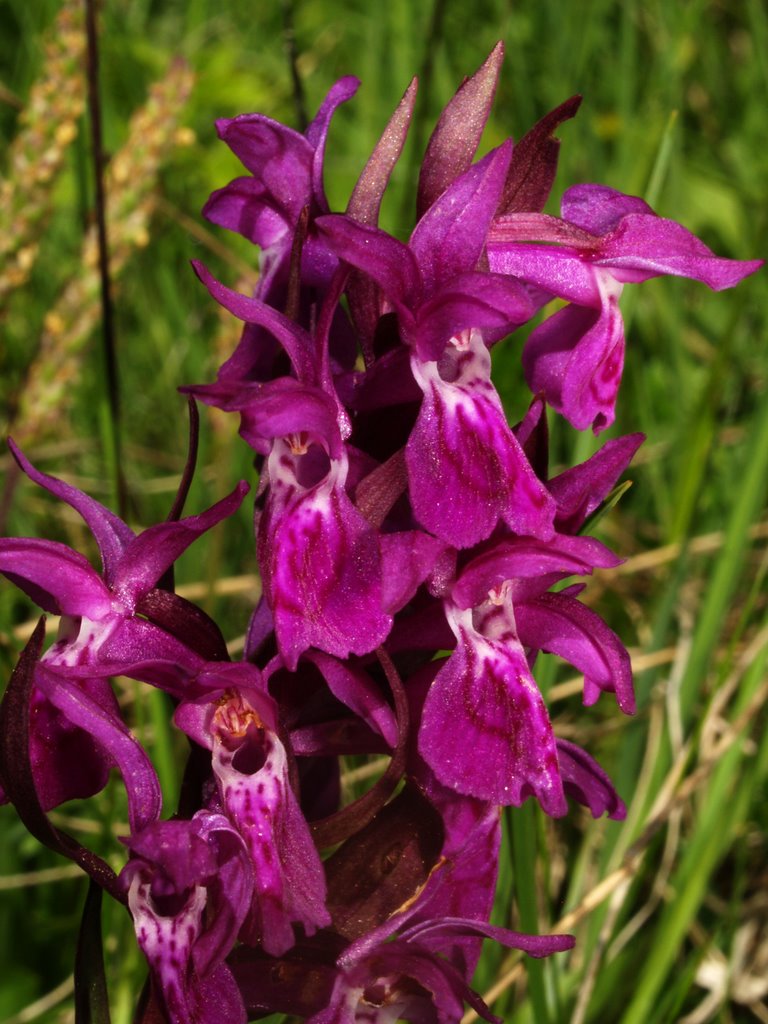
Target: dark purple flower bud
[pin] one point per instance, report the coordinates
(364, 205)
(457, 135)
(286, 170)
(534, 162)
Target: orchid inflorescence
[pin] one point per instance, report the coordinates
(412, 548)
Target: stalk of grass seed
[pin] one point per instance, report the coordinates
(131, 182)
(47, 126)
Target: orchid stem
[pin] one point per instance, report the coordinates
(523, 831)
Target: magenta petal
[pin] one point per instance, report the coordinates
(317, 132)
(408, 558)
(57, 578)
(466, 469)
(576, 359)
(598, 208)
(585, 781)
(218, 999)
(526, 558)
(485, 729)
(561, 625)
(644, 245)
(580, 490)
(277, 156)
(293, 338)
(276, 409)
(354, 688)
(558, 271)
(322, 576)
(142, 650)
(245, 206)
(465, 886)
(389, 262)
(533, 945)
(471, 300)
(68, 763)
(450, 237)
(111, 533)
(157, 548)
(109, 731)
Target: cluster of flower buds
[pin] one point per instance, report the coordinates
(412, 547)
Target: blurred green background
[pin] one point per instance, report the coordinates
(669, 908)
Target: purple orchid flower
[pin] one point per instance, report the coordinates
(189, 887)
(605, 240)
(320, 558)
(237, 722)
(309, 519)
(78, 734)
(466, 469)
(500, 610)
(381, 981)
(101, 631)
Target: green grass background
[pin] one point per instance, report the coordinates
(670, 907)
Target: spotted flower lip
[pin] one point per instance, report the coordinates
(310, 521)
(500, 610)
(484, 698)
(606, 239)
(189, 885)
(237, 721)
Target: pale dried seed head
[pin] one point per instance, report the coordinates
(47, 125)
(130, 185)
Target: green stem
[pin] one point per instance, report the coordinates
(523, 831)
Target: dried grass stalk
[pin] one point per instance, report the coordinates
(131, 187)
(47, 125)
